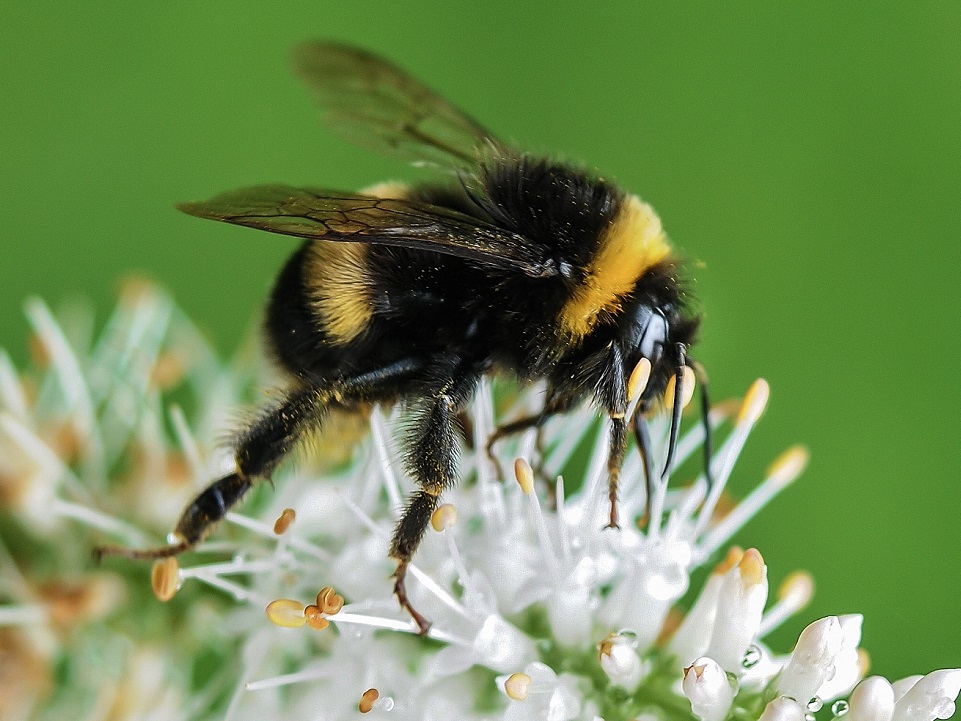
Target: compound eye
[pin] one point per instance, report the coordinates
(654, 338)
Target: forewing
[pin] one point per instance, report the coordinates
(370, 101)
(329, 215)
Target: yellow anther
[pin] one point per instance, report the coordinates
(444, 517)
(315, 618)
(605, 647)
(754, 403)
(789, 465)
(752, 567)
(329, 601)
(165, 578)
(799, 585)
(524, 475)
(286, 612)
(284, 520)
(366, 704)
(689, 380)
(637, 383)
(733, 557)
(517, 686)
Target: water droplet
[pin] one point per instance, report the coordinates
(628, 635)
(752, 657)
(810, 717)
(839, 708)
(815, 704)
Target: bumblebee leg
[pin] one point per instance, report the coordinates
(643, 438)
(612, 393)
(260, 448)
(431, 457)
(536, 420)
(706, 420)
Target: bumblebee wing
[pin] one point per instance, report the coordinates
(329, 215)
(372, 102)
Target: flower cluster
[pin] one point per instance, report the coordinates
(538, 611)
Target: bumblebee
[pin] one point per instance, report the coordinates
(517, 265)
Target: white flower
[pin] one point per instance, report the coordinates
(538, 611)
(706, 686)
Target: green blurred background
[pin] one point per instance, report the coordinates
(807, 155)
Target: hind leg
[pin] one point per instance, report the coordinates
(431, 456)
(261, 448)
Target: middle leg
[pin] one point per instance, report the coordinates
(431, 457)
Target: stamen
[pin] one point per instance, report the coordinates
(367, 700)
(793, 595)
(286, 613)
(187, 442)
(444, 517)
(781, 473)
(165, 578)
(750, 411)
(298, 544)
(287, 679)
(517, 685)
(525, 479)
(284, 521)
(379, 435)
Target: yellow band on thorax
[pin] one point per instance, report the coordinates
(634, 243)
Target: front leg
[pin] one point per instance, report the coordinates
(431, 458)
(612, 393)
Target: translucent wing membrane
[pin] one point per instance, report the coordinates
(337, 216)
(373, 103)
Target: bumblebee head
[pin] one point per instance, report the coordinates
(662, 332)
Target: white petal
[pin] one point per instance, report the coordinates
(930, 698)
(739, 611)
(694, 634)
(782, 709)
(813, 660)
(872, 700)
(706, 687)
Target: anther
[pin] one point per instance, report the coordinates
(444, 517)
(286, 612)
(687, 388)
(284, 520)
(733, 557)
(637, 383)
(799, 587)
(754, 403)
(524, 475)
(367, 700)
(752, 567)
(165, 578)
(789, 465)
(329, 601)
(517, 685)
(315, 618)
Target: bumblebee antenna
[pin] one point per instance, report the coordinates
(678, 406)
